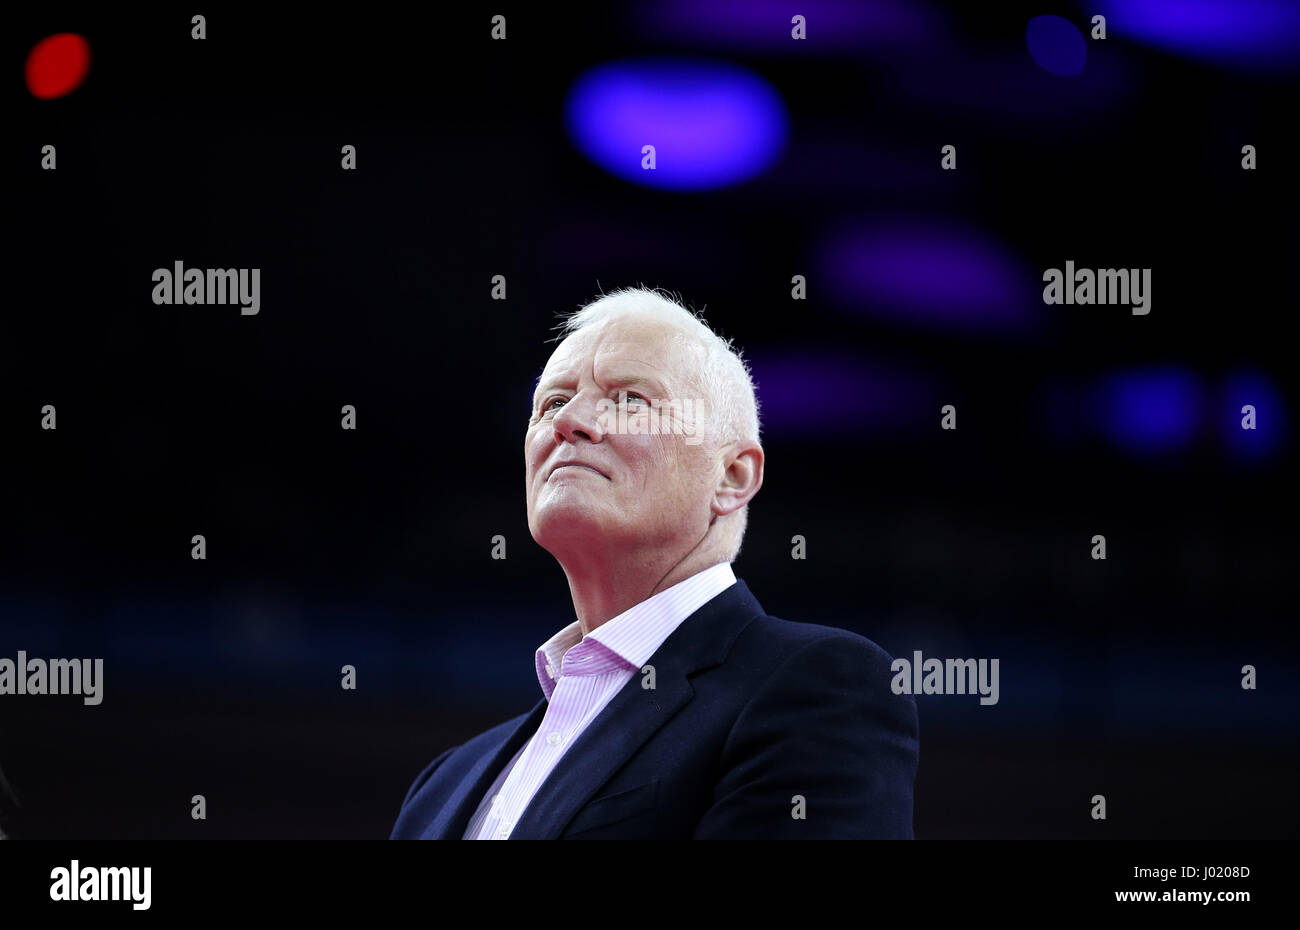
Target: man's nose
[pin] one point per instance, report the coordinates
(579, 417)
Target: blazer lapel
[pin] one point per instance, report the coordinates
(701, 641)
(454, 817)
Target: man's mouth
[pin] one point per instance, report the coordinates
(583, 466)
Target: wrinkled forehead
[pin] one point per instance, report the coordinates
(626, 348)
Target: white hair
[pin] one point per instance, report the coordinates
(724, 376)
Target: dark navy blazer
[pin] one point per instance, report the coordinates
(747, 712)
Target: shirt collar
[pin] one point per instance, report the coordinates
(631, 638)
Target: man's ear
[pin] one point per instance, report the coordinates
(742, 476)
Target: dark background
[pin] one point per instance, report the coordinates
(372, 548)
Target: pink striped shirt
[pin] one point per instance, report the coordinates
(579, 675)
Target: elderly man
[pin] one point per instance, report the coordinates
(673, 707)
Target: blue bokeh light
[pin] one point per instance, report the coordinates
(1056, 45)
(1244, 388)
(713, 124)
(1151, 410)
(1240, 33)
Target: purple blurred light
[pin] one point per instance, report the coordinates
(1150, 410)
(1249, 33)
(712, 124)
(930, 274)
(766, 24)
(1056, 45)
(811, 392)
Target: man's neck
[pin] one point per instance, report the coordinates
(600, 593)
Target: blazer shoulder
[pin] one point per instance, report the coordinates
(468, 751)
(786, 637)
(819, 719)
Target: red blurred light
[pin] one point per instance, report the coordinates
(57, 65)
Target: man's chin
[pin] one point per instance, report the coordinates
(562, 530)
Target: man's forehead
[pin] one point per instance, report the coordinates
(646, 346)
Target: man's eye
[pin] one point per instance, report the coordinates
(550, 405)
(631, 396)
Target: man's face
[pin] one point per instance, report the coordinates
(643, 489)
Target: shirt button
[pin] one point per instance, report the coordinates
(550, 670)
(554, 739)
(496, 799)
